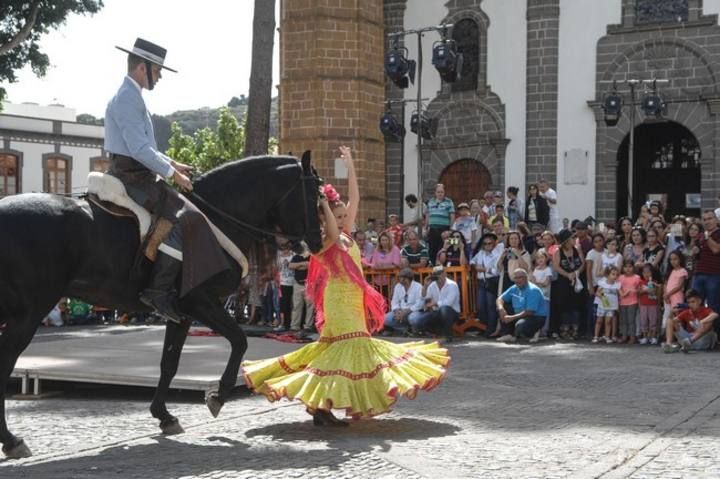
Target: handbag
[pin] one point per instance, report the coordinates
(492, 284)
(578, 285)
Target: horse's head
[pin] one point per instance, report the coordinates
(263, 196)
(295, 215)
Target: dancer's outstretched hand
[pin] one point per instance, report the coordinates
(346, 155)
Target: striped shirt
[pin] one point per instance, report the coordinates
(708, 262)
(439, 212)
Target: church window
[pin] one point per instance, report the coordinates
(661, 11)
(467, 36)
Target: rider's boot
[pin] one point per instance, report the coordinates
(160, 293)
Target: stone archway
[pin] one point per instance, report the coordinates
(667, 166)
(465, 180)
(469, 126)
(680, 55)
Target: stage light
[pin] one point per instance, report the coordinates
(391, 128)
(612, 106)
(398, 68)
(446, 60)
(653, 105)
(428, 126)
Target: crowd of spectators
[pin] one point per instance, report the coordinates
(629, 282)
(534, 275)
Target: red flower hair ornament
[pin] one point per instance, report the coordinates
(330, 193)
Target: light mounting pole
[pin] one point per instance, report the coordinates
(633, 84)
(418, 100)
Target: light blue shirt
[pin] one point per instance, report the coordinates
(529, 298)
(129, 130)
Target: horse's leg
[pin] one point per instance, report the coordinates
(14, 338)
(212, 313)
(175, 335)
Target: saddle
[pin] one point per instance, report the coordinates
(108, 193)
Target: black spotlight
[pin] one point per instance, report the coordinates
(400, 70)
(653, 105)
(428, 126)
(391, 128)
(612, 106)
(446, 60)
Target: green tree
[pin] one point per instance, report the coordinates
(88, 119)
(208, 148)
(236, 102)
(23, 22)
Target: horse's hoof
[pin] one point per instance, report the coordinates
(171, 427)
(18, 451)
(214, 404)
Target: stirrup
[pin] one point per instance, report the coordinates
(162, 302)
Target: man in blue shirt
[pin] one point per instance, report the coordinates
(136, 161)
(528, 305)
(440, 215)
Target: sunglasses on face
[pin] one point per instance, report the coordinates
(487, 243)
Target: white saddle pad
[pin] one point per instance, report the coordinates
(110, 189)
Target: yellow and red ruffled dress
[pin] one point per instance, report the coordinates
(347, 368)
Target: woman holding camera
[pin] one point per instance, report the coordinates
(514, 256)
(453, 251)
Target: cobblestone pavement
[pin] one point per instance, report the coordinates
(505, 411)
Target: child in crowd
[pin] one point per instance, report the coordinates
(648, 298)
(395, 229)
(594, 269)
(465, 223)
(542, 278)
(654, 250)
(629, 282)
(611, 256)
(607, 301)
(675, 283)
(500, 214)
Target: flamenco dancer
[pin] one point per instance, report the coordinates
(346, 369)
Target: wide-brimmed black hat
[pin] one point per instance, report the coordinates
(148, 51)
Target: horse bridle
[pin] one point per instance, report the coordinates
(265, 233)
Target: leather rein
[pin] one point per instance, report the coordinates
(262, 233)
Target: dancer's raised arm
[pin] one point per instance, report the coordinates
(332, 233)
(353, 202)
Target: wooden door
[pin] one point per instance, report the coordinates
(465, 180)
(667, 167)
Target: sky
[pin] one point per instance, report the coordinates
(208, 42)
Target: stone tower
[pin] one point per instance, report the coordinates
(332, 90)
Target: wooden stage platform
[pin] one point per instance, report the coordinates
(123, 355)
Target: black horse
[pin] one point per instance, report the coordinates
(53, 246)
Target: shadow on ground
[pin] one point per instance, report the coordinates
(161, 457)
(365, 434)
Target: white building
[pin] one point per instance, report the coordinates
(530, 104)
(44, 149)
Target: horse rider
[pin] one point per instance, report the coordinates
(136, 161)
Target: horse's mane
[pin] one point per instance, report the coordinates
(239, 172)
(239, 175)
